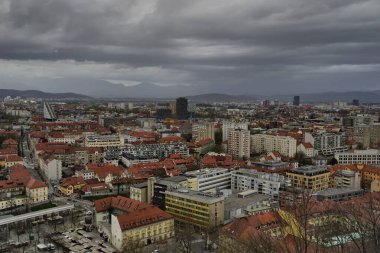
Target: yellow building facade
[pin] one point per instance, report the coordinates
(199, 209)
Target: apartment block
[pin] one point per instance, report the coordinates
(239, 143)
(285, 145)
(311, 178)
(203, 131)
(228, 125)
(263, 183)
(326, 143)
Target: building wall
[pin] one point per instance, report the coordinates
(239, 143)
(143, 235)
(197, 213)
(314, 183)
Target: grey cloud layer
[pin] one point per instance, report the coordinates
(239, 45)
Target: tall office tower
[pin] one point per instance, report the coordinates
(181, 108)
(355, 102)
(239, 143)
(296, 100)
(49, 113)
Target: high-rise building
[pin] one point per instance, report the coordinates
(296, 100)
(285, 145)
(202, 131)
(239, 143)
(228, 125)
(49, 113)
(355, 102)
(181, 108)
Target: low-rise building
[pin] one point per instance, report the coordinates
(369, 156)
(114, 140)
(209, 180)
(263, 183)
(311, 178)
(203, 210)
(127, 221)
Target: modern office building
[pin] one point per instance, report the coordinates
(311, 178)
(296, 100)
(203, 210)
(181, 108)
(209, 180)
(369, 156)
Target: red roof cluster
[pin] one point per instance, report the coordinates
(245, 227)
(222, 161)
(171, 139)
(103, 170)
(166, 168)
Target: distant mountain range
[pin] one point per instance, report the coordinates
(363, 96)
(95, 88)
(217, 97)
(40, 94)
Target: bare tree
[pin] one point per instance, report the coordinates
(185, 235)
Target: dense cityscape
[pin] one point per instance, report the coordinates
(202, 126)
(180, 176)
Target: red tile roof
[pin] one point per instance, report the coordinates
(244, 227)
(102, 171)
(34, 183)
(142, 217)
(170, 139)
(19, 172)
(72, 181)
(119, 202)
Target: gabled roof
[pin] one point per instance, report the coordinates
(120, 203)
(34, 183)
(142, 217)
(244, 227)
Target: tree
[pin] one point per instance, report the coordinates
(185, 235)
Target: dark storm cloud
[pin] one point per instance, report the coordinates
(282, 45)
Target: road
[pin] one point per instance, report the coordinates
(31, 163)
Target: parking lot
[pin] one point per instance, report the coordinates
(78, 241)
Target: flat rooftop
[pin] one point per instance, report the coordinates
(337, 191)
(234, 202)
(209, 198)
(309, 170)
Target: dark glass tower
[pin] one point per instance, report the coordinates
(181, 108)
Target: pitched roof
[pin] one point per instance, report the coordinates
(34, 183)
(119, 202)
(244, 227)
(72, 181)
(142, 217)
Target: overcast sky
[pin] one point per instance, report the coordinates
(239, 46)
